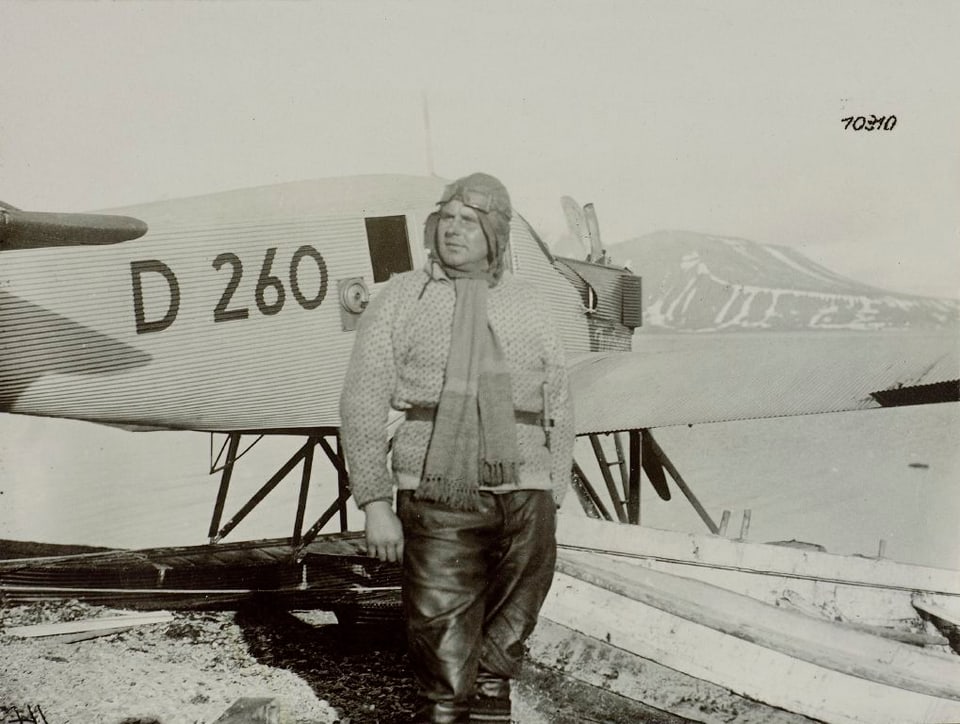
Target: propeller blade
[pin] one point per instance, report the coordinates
(576, 222)
(593, 228)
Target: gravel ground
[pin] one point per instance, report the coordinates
(362, 670)
(191, 669)
(186, 671)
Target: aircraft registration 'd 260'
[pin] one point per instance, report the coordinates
(235, 313)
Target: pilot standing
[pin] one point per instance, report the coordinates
(481, 462)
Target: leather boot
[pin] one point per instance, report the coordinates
(491, 703)
(441, 712)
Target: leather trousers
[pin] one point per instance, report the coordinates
(473, 584)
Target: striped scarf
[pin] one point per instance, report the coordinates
(474, 440)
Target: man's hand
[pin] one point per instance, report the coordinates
(384, 532)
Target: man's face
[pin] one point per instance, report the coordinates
(461, 242)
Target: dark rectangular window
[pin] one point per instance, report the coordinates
(389, 246)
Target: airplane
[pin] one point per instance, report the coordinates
(234, 314)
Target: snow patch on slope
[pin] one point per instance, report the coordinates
(701, 282)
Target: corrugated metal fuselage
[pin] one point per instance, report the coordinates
(226, 315)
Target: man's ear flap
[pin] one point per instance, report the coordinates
(430, 231)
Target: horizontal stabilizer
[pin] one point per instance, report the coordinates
(34, 229)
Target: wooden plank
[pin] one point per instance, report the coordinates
(87, 635)
(914, 638)
(89, 624)
(857, 589)
(584, 658)
(794, 634)
(740, 665)
(701, 549)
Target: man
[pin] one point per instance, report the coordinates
(481, 462)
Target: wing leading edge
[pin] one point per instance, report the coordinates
(688, 379)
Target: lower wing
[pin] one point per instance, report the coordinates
(672, 379)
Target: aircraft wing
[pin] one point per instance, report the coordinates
(684, 379)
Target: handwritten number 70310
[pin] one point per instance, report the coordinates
(873, 123)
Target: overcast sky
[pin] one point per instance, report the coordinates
(715, 117)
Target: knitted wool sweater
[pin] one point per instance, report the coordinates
(399, 358)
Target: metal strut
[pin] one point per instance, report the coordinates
(645, 456)
(589, 499)
(265, 490)
(681, 483)
(227, 472)
(616, 497)
(343, 493)
(305, 454)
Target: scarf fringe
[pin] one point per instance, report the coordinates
(458, 494)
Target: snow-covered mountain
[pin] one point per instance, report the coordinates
(699, 282)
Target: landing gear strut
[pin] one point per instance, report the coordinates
(328, 439)
(623, 488)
